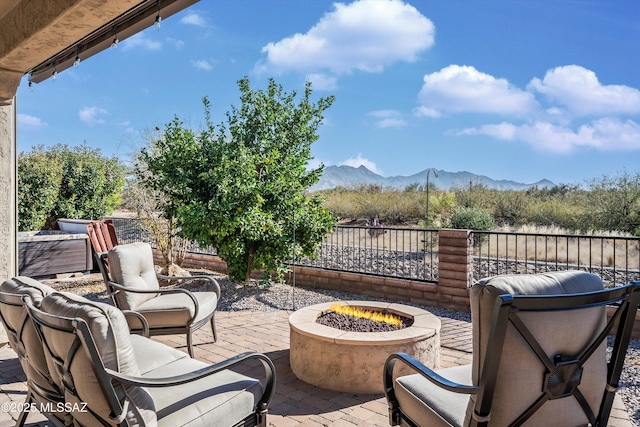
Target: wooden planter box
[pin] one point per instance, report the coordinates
(50, 252)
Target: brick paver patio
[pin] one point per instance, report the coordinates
(295, 403)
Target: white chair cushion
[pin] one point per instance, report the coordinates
(168, 310)
(132, 266)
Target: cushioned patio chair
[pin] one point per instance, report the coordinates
(42, 389)
(112, 377)
(539, 357)
(133, 285)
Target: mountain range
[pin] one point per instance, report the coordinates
(349, 177)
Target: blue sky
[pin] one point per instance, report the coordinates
(520, 90)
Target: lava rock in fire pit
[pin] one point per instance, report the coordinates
(357, 324)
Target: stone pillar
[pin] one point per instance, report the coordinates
(455, 268)
(8, 197)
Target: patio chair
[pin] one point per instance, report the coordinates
(133, 285)
(112, 377)
(102, 235)
(539, 357)
(42, 389)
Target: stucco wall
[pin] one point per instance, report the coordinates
(8, 198)
(8, 190)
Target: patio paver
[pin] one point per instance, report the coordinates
(295, 403)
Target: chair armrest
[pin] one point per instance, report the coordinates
(269, 385)
(141, 318)
(214, 282)
(161, 291)
(426, 372)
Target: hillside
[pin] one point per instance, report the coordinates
(348, 176)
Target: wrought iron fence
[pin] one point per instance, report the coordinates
(410, 253)
(406, 253)
(130, 230)
(615, 259)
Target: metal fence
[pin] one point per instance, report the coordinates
(406, 253)
(615, 259)
(410, 253)
(130, 230)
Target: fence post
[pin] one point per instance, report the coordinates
(455, 268)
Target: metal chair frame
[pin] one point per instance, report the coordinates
(113, 288)
(103, 237)
(111, 380)
(563, 372)
(36, 396)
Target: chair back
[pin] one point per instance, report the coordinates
(132, 266)
(83, 339)
(539, 349)
(42, 380)
(102, 235)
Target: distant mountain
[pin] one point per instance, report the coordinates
(348, 176)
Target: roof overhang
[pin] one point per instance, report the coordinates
(40, 37)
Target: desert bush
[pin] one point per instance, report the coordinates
(391, 206)
(471, 219)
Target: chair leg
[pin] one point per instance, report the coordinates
(213, 327)
(24, 414)
(190, 343)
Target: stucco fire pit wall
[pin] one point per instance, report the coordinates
(353, 361)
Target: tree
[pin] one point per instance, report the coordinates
(241, 186)
(82, 182)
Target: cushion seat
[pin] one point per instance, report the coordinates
(175, 310)
(422, 400)
(223, 399)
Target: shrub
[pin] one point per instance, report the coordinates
(39, 181)
(471, 219)
(66, 182)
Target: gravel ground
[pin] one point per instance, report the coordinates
(284, 297)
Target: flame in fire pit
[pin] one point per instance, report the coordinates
(376, 316)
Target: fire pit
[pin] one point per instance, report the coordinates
(353, 361)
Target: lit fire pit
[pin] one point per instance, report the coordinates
(352, 362)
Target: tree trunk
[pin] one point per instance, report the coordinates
(247, 278)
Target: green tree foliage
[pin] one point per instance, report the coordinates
(39, 181)
(66, 182)
(241, 186)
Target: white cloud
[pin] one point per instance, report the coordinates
(322, 81)
(460, 89)
(360, 161)
(30, 122)
(580, 91)
(92, 115)
(178, 44)
(388, 118)
(141, 40)
(194, 19)
(202, 64)
(366, 35)
(602, 134)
